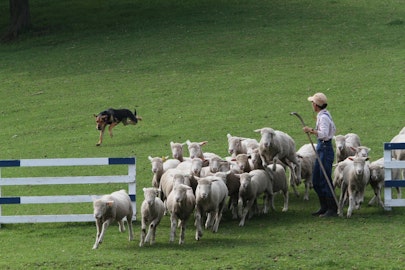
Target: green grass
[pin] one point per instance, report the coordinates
(198, 70)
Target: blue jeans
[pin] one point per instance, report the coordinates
(326, 155)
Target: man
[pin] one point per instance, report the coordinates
(324, 130)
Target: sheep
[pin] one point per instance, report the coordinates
(216, 164)
(159, 166)
(277, 146)
(377, 177)
(252, 185)
(238, 145)
(169, 178)
(242, 162)
(177, 150)
(402, 131)
(180, 204)
(255, 160)
(211, 194)
(399, 154)
(356, 175)
(306, 160)
(233, 184)
(279, 184)
(192, 166)
(152, 210)
(109, 208)
(346, 145)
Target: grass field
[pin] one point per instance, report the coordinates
(198, 70)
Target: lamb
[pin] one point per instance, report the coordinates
(177, 150)
(279, 184)
(152, 210)
(216, 164)
(377, 177)
(356, 176)
(346, 145)
(109, 208)
(276, 146)
(169, 178)
(211, 194)
(306, 160)
(159, 166)
(180, 204)
(399, 154)
(239, 145)
(252, 185)
(242, 162)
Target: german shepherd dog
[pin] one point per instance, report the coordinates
(113, 117)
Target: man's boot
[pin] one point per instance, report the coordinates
(332, 208)
(323, 208)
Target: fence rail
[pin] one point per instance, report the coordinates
(389, 183)
(129, 178)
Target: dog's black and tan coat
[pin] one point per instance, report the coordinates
(112, 118)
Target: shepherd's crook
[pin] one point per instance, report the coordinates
(319, 159)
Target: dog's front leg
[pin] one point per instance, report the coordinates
(110, 129)
(100, 139)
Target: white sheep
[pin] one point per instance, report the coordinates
(109, 208)
(233, 184)
(356, 176)
(377, 177)
(159, 166)
(242, 162)
(168, 180)
(399, 154)
(277, 146)
(177, 150)
(180, 204)
(152, 210)
(279, 183)
(239, 145)
(306, 160)
(216, 164)
(255, 160)
(346, 145)
(252, 185)
(211, 194)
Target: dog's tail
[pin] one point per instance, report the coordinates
(137, 117)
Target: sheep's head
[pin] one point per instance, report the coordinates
(150, 195)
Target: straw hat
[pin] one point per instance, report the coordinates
(319, 99)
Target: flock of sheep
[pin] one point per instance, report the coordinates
(205, 184)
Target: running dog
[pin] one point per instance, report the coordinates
(113, 117)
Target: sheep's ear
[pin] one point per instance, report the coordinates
(164, 158)
(351, 158)
(95, 115)
(257, 130)
(109, 203)
(228, 136)
(171, 143)
(203, 143)
(188, 142)
(150, 158)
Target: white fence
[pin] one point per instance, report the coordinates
(129, 178)
(389, 183)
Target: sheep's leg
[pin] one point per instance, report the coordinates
(182, 231)
(245, 212)
(130, 231)
(218, 216)
(372, 201)
(99, 229)
(234, 208)
(143, 232)
(286, 197)
(101, 237)
(198, 233)
(240, 207)
(351, 204)
(149, 237)
(307, 186)
(121, 226)
(173, 227)
(342, 200)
